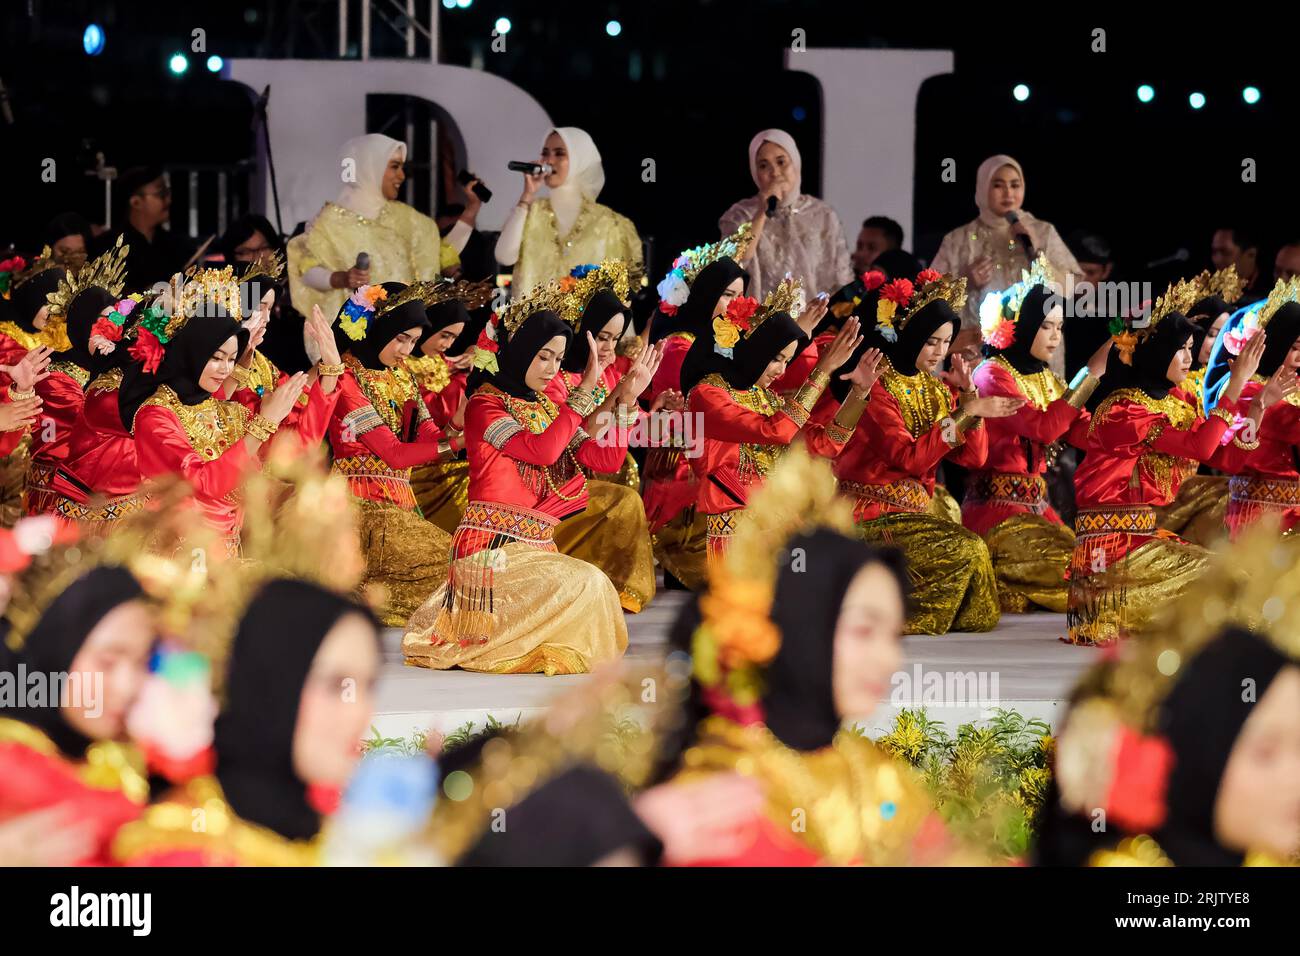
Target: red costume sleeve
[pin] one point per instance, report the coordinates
(544, 448)
(814, 433)
(163, 448)
(724, 420)
(1045, 426)
(355, 410)
(883, 429)
(61, 401)
(798, 370)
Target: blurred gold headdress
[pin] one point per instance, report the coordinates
(569, 295)
(108, 272)
(1225, 284)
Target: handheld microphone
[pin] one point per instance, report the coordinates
(532, 169)
(464, 177)
(771, 205)
(1181, 255)
(363, 262)
(1013, 217)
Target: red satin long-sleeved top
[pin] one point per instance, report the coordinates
(744, 433)
(9, 440)
(441, 386)
(101, 452)
(511, 442)
(902, 436)
(35, 776)
(1278, 435)
(204, 445)
(1140, 449)
(62, 395)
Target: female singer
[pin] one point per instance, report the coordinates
(545, 239)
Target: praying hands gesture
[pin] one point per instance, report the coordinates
(595, 366)
(813, 314)
(276, 407)
(1247, 364)
(257, 328)
(668, 400)
(639, 375)
(959, 375)
(322, 333)
(842, 347)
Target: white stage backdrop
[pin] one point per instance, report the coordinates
(868, 111)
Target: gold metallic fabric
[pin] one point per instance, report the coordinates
(681, 547)
(553, 615)
(612, 534)
(944, 505)
(405, 554)
(1121, 598)
(1030, 558)
(442, 491)
(13, 479)
(953, 585)
(598, 233)
(1197, 513)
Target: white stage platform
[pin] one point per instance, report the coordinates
(958, 678)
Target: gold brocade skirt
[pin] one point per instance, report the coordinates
(612, 534)
(405, 554)
(1197, 513)
(13, 479)
(553, 615)
(681, 547)
(1119, 599)
(629, 476)
(953, 585)
(1031, 556)
(442, 490)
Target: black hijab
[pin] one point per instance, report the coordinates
(514, 358)
(1150, 369)
(799, 697)
(182, 365)
(1283, 330)
(381, 328)
(696, 317)
(1202, 316)
(26, 300)
(55, 641)
(83, 312)
(752, 355)
(278, 638)
(1033, 310)
(913, 334)
(604, 305)
(1201, 719)
(440, 315)
(577, 818)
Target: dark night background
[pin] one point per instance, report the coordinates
(688, 84)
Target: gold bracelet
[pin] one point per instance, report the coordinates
(261, 427)
(1081, 389)
(335, 370)
(241, 376)
(847, 418)
(1224, 414)
(581, 401)
(627, 415)
(18, 396)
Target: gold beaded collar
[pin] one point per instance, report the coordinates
(211, 426)
(108, 765)
(73, 371)
(922, 399)
(431, 372)
(1181, 415)
(1041, 388)
(388, 390)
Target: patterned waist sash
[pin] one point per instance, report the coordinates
(999, 488)
(367, 475)
(112, 509)
(905, 494)
(490, 524)
(1134, 519)
(1279, 493)
(721, 528)
(37, 496)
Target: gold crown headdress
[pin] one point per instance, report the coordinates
(737, 638)
(1225, 284)
(1000, 311)
(270, 266)
(568, 296)
(744, 315)
(29, 270)
(1253, 585)
(424, 291)
(107, 272)
(1131, 331)
(675, 288)
(474, 295)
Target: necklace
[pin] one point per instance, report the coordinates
(536, 417)
(388, 390)
(922, 399)
(211, 426)
(1041, 388)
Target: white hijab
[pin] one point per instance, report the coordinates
(366, 157)
(585, 180)
(983, 177)
(783, 139)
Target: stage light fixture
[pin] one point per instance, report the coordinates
(1146, 93)
(1251, 95)
(464, 4)
(503, 25)
(613, 28)
(178, 64)
(1197, 100)
(1020, 92)
(215, 63)
(449, 4)
(92, 40)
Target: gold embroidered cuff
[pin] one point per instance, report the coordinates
(1246, 446)
(1081, 389)
(1224, 414)
(582, 401)
(17, 396)
(261, 427)
(963, 421)
(242, 376)
(847, 418)
(627, 415)
(333, 370)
